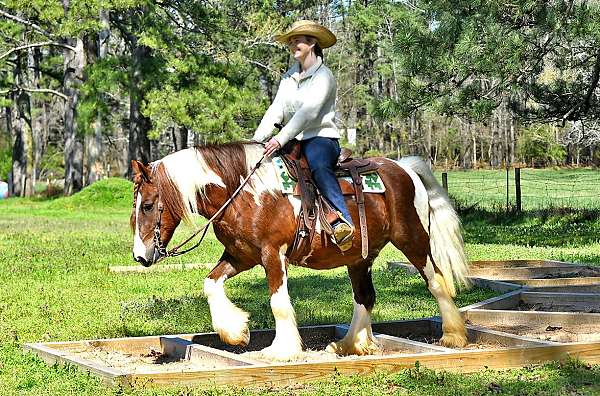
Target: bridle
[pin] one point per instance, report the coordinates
(162, 250)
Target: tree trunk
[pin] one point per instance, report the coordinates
(96, 48)
(39, 135)
(74, 63)
(139, 144)
(22, 154)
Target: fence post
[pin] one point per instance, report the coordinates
(518, 188)
(445, 180)
(507, 182)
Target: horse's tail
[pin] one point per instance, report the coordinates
(445, 237)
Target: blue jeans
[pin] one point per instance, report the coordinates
(322, 154)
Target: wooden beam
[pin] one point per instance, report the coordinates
(483, 317)
(51, 356)
(289, 373)
(496, 285)
(523, 272)
(505, 301)
(126, 269)
(557, 281)
(588, 299)
(518, 263)
(569, 289)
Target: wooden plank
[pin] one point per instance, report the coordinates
(196, 351)
(557, 281)
(485, 317)
(127, 269)
(185, 349)
(496, 285)
(175, 347)
(568, 289)
(523, 272)
(508, 300)
(51, 356)
(532, 297)
(463, 361)
(516, 263)
(402, 328)
(392, 343)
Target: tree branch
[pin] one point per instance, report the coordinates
(42, 44)
(32, 25)
(35, 90)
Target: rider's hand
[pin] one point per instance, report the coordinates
(271, 146)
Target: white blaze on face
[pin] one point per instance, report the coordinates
(139, 249)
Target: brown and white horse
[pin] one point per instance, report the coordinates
(414, 214)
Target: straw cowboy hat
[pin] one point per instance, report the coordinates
(308, 28)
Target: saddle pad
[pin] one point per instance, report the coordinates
(372, 183)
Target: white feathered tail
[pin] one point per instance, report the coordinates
(445, 237)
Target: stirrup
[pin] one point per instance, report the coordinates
(343, 235)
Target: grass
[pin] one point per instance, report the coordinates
(540, 188)
(56, 286)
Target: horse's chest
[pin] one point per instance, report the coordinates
(234, 239)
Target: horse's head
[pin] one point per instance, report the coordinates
(152, 223)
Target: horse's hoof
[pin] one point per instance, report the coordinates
(454, 340)
(345, 349)
(280, 353)
(236, 332)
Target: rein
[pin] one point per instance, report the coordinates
(175, 251)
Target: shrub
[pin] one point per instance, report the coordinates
(538, 145)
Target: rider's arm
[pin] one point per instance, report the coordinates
(321, 93)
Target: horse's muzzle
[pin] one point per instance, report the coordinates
(143, 261)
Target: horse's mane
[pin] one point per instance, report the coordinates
(229, 159)
(183, 175)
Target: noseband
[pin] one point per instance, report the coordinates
(162, 250)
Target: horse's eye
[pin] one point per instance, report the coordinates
(148, 207)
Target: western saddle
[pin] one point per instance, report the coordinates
(314, 206)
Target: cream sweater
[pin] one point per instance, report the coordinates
(306, 106)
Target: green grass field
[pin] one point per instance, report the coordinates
(56, 286)
(540, 188)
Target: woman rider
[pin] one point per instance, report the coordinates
(305, 102)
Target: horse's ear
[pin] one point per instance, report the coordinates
(140, 170)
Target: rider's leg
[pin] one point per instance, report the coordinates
(322, 154)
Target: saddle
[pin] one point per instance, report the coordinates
(314, 206)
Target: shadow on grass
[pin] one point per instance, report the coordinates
(317, 299)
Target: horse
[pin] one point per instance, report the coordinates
(257, 227)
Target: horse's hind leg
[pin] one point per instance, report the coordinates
(453, 325)
(287, 343)
(229, 321)
(359, 339)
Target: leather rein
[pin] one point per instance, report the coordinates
(162, 250)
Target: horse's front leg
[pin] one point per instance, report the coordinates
(359, 339)
(287, 343)
(228, 320)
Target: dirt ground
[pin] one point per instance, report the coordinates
(556, 333)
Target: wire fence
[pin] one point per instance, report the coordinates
(526, 189)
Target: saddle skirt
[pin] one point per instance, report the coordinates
(288, 182)
(355, 176)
